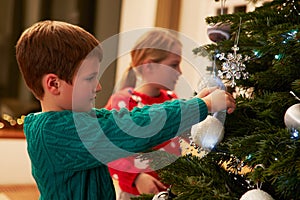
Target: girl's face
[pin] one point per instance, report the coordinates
(86, 85)
(164, 75)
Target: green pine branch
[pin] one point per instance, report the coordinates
(257, 146)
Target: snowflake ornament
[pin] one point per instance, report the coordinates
(233, 68)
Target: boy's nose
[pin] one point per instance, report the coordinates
(179, 70)
(99, 87)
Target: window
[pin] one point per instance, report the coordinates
(219, 11)
(237, 9)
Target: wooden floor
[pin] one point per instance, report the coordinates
(26, 192)
(19, 192)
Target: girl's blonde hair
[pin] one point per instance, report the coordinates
(155, 45)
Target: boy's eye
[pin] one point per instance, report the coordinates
(90, 78)
(174, 65)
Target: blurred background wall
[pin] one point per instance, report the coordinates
(105, 19)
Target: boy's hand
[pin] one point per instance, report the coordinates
(206, 91)
(217, 100)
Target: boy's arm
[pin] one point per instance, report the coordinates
(143, 128)
(152, 125)
(81, 140)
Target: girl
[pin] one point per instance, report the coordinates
(150, 78)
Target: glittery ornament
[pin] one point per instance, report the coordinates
(233, 68)
(208, 133)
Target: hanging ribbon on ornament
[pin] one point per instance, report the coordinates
(233, 68)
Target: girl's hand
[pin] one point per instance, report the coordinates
(147, 184)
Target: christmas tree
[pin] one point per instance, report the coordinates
(261, 145)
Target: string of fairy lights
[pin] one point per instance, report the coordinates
(9, 121)
(289, 7)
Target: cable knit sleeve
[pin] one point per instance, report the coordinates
(80, 140)
(143, 128)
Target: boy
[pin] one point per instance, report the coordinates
(69, 141)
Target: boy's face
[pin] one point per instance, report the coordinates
(86, 85)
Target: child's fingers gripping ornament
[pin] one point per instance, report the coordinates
(210, 132)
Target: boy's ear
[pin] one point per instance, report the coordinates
(51, 83)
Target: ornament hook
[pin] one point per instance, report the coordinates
(291, 92)
(259, 184)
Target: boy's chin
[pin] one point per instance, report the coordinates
(83, 108)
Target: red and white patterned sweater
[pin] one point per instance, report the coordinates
(126, 170)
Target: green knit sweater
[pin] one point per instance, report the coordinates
(69, 150)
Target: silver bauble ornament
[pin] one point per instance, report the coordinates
(256, 194)
(292, 117)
